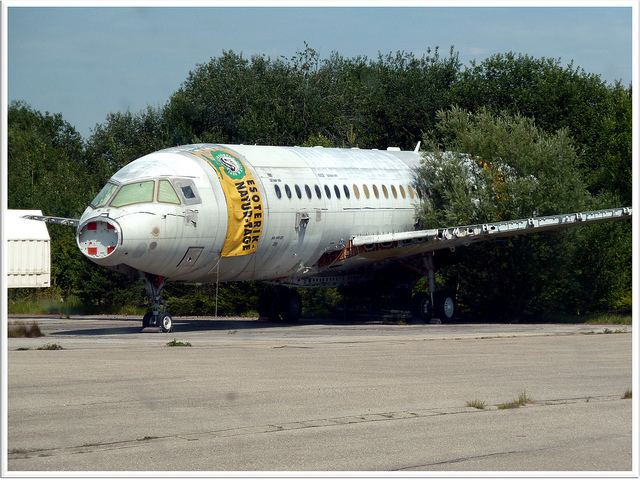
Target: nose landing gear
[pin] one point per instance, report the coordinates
(158, 316)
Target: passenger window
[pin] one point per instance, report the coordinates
(394, 192)
(278, 191)
(375, 191)
(140, 192)
(298, 191)
(346, 191)
(337, 190)
(307, 190)
(356, 192)
(166, 193)
(318, 191)
(327, 191)
(402, 192)
(385, 191)
(411, 192)
(287, 190)
(365, 189)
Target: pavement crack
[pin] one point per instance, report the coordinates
(452, 461)
(298, 425)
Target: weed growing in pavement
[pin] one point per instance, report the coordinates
(479, 404)
(521, 401)
(177, 343)
(50, 346)
(21, 330)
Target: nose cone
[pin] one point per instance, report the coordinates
(98, 237)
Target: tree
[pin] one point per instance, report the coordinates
(511, 169)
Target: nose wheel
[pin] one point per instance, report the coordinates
(158, 316)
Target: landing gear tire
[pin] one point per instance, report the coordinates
(146, 320)
(166, 323)
(446, 304)
(421, 307)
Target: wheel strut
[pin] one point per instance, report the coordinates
(158, 315)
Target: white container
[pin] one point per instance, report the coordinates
(28, 250)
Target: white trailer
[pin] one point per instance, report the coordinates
(28, 250)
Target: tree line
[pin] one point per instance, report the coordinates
(529, 117)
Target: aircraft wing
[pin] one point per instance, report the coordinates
(366, 248)
(70, 222)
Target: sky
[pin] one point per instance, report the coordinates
(88, 62)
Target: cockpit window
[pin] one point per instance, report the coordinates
(139, 192)
(166, 193)
(103, 197)
(187, 190)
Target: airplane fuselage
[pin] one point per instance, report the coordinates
(243, 212)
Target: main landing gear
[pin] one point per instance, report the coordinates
(158, 316)
(434, 304)
(280, 304)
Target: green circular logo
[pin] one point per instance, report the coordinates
(230, 164)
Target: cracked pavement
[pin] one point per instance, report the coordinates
(254, 396)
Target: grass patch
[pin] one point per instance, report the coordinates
(521, 401)
(627, 394)
(479, 404)
(50, 346)
(52, 303)
(43, 305)
(22, 330)
(178, 343)
(608, 319)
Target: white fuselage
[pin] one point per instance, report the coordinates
(299, 221)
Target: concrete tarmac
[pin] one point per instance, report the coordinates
(255, 396)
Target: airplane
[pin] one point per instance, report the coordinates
(291, 216)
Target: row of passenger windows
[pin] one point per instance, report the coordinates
(347, 193)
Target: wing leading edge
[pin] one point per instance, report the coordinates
(367, 248)
(70, 222)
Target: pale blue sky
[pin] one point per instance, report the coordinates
(87, 62)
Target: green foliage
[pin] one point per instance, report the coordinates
(343, 101)
(596, 115)
(516, 113)
(233, 298)
(178, 343)
(319, 302)
(496, 167)
(511, 169)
